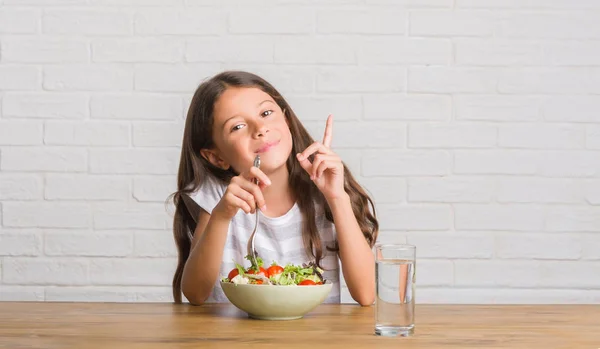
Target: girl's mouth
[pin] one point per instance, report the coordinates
(265, 147)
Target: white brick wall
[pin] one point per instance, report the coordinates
(474, 124)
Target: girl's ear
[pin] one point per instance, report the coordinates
(213, 157)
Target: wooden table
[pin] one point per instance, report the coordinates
(118, 325)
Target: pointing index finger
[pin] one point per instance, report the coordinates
(328, 132)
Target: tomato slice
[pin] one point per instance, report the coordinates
(306, 282)
(261, 271)
(233, 273)
(274, 270)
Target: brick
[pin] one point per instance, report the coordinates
(497, 108)
(316, 50)
(46, 215)
(498, 52)
(134, 161)
(539, 190)
(155, 294)
(172, 78)
(569, 164)
(392, 237)
(571, 53)
(498, 217)
(137, 50)
(151, 272)
(592, 137)
(154, 188)
(541, 80)
(550, 25)
(136, 106)
(229, 49)
(50, 159)
(90, 294)
(86, 187)
(414, 3)
(359, 79)
(154, 244)
(20, 133)
(537, 246)
(498, 295)
(450, 189)
(90, 133)
(286, 79)
(451, 136)
(435, 273)
(541, 136)
(48, 50)
(407, 107)
(20, 186)
(88, 243)
(20, 242)
(157, 134)
(21, 293)
(385, 190)
(179, 21)
(495, 162)
(313, 108)
(591, 188)
(19, 77)
(452, 244)
(530, 4)
(451, 23)
(384, 134)
(414, 217)
(45, 105)
(87, 22)
(136, 2)
(44, 271)
(526, 274)
(45, 2)
(406, 163)
(291, 20)
(117, 215)
(452, 80)
(562, 108)
(573, 218)
(88, 77)
(18, 21)
(369, 21)
(405, 51)
(590, 244)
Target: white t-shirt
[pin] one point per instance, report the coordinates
(277, 239)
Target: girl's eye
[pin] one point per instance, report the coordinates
(266, 113)
(237, 127)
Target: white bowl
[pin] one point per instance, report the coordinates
(273, 302)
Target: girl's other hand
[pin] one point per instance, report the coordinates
(326, 169)
(243, 193)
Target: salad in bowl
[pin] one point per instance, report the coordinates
(276, 292)
(290, 274)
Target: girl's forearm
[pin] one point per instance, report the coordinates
(358, 262)
(202, 267)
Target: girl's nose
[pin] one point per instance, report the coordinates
(261, 129)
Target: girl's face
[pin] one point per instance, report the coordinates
(247, 122)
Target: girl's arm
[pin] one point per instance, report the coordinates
(358, 262)
(202, 267)
(327, 172)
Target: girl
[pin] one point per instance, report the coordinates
(310, 206)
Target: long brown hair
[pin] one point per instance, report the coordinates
(193, 168)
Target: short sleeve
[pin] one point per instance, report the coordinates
(209, 193)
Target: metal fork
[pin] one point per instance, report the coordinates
(251, 251)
